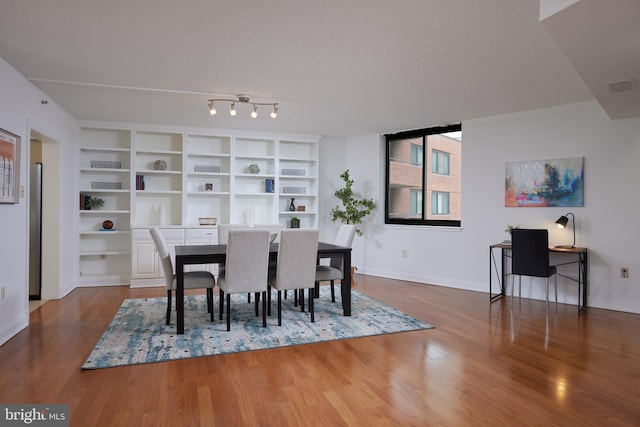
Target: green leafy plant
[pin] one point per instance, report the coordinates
(353, 209)
(511, 227)
(95, 202)
(295, 222)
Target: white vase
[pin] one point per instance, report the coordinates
(162, 214)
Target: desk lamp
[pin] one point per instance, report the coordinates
(562, 223)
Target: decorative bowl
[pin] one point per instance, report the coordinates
(160, 165)
(207, 221)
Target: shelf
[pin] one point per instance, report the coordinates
(208, 193)
(104, 233)
(103, 253)
(102, 211)
(156, 192)
(162, 152)
(105, 150)
(102, 170)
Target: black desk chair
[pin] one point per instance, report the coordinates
(530, 257)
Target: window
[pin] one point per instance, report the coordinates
(416, 155)
(423, 177)
(440, 162)
(439, 203)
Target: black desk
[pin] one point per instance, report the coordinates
(213, 254)
(505, 249)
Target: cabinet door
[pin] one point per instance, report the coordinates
(202, 237)
(145, 261)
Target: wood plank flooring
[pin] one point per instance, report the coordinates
(484, 365)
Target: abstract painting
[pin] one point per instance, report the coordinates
(544, 183)
(9, 167)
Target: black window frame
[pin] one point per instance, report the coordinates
(418, 133)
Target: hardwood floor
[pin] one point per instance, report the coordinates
(484, 365)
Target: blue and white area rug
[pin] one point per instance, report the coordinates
(138, 333)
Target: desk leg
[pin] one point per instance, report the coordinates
(582, 275)
(345, 284)
(494, 267)
(180, 296)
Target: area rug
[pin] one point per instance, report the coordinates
(138, 333)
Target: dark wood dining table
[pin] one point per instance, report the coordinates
(214, 254)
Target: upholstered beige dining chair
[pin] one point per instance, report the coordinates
(246, 269)
(296, 267)
(192, 279)
(335, 270)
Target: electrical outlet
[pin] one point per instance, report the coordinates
(404, 253)
(624, 272)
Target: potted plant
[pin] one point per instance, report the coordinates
(353, 209)
(94, 203)
(295, 222)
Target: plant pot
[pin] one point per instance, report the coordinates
(295, 223)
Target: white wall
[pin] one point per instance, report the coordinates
(20, 111)
(460, 258)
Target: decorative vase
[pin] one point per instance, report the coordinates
(292, 207)
(162, 214)
(253, 168)
(160, 165)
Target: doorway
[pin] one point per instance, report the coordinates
(45, 150)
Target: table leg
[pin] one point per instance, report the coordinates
(180, 296)
(345, 284)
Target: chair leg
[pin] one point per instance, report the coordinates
(312, 292)
(169, 292)
(249, 298)
(280, 307)
(333, 292)
(257, 304)
(221, 303)
(301, 292)
(547, 294)
(513, 285)
(317, 289)
(268, 300)
(210, 301)
(264, 309)
(555, 278)
(228, 312)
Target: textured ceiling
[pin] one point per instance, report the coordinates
(338, 68)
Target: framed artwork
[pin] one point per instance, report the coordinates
(9, 167)
(544, 183)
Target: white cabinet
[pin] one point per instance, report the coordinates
(169, 177)
(202, 236)
(145, 262)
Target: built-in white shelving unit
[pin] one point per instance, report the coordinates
(236, 177)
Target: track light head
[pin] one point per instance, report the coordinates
(232, 110)
(275, 111)
(254, 113)
(212, 109)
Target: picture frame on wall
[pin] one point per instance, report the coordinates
(9, 167)
(545, 183)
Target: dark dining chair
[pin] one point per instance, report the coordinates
(530, 257)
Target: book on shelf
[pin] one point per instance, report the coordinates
(139, 182)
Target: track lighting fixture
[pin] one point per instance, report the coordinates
(243, 99)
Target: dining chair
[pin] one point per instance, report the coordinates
(274, 230)
(192, 279)
(335, 270)
(246, 269)
(296, 265)
(530, 257)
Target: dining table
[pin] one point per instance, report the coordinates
(217, 254)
